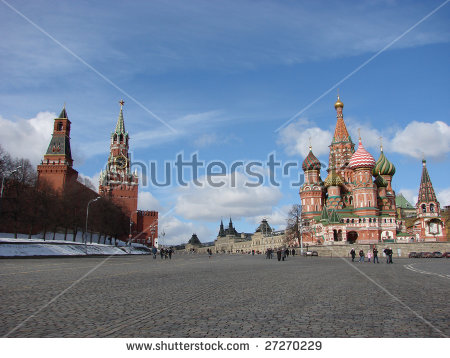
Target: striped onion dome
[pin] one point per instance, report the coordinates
(361, 158)
(383, 166)
(333, 179)
(311, 162)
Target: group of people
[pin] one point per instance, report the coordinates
(282, 254)
(374, 253)
(164, 253)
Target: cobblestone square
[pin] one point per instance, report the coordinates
(223, 296)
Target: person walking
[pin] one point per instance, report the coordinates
(283, 255)
(293, 252)
(390, 255)
(375, 255)
(386, 253)
(353, 254)
(361, 255)
(369, 256)
(154, 251)
(161, 253)
(279, 254)
(170, 253)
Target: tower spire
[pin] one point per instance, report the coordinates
(426, 190)
(120, 126)
(340, 132)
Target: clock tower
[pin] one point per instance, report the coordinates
(117, 181)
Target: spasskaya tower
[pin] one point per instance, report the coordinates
(117, 181)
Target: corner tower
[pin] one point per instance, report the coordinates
(56, 168)
(117, 181)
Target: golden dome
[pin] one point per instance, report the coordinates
(338, 104)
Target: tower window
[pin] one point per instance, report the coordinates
(432, 208)
(60, 126)
(424, 208)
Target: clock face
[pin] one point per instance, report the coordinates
(121, 161)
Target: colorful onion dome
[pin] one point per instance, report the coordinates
(338, 103)
(383, 166)
(311, 162)
(361, 158)
(380, 182)
(333, 179)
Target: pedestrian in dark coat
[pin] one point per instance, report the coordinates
(279, 254)
(375, 255)
(353, 254)
(293, 252)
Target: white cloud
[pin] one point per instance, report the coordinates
(177, 231)
(443, 197)
(92, 179)
(210, 203)
(146, 201)
(417, 139)
(27, 138)
(423, 139)
(276, 219)
(296, 138)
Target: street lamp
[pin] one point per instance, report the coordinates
(87, 216)
(131, 224)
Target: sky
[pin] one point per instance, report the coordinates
(228, 82)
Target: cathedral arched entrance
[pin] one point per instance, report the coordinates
(352, 236)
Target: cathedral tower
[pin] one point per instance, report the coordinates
(56, 169)
(429, 226)
(341, 147)
(364, 190)
(311, 192)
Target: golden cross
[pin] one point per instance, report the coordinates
(122, 102)
(381, 143)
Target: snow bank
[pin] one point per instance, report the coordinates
(10, 247)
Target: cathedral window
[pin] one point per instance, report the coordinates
(60, 126)
(432, 208)
(424, 208)
(121, 138)
(348, 220)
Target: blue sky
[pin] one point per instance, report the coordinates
(226, 75)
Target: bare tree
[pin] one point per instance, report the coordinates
(293, 225)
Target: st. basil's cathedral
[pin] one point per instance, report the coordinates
(356, 201)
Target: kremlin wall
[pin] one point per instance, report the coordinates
(116, 181)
